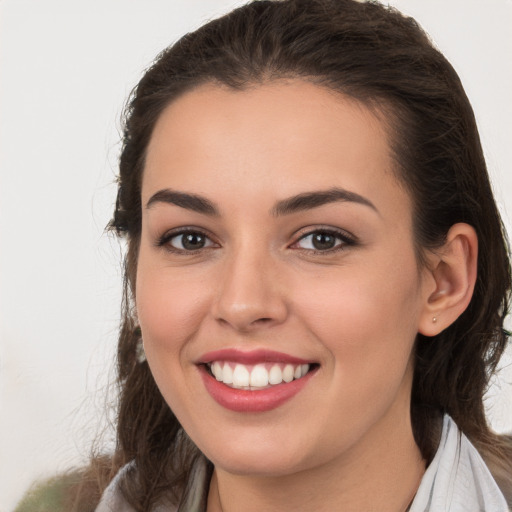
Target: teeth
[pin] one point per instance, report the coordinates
(227, 374)
(276, 375)
(258, 376)
(240, 376)
(288, 373)
(217, 371)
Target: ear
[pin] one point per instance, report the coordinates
(451, 277)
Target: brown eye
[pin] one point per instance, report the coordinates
(323, 241)
(190, 241)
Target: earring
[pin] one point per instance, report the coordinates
(434, 319)
(140, 353)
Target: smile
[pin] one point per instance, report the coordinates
(256, 381)
(258, 376)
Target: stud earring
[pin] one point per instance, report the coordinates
(434, 319)
(140, 353)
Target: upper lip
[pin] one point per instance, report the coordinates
(250, 357)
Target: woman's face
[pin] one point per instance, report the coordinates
(277, 252)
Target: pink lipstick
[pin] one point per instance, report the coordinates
(255, 381)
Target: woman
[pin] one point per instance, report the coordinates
(316, 276)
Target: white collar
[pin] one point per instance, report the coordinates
(457, 480)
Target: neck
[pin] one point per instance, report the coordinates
(382, 472)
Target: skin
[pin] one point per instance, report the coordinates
(346, 438)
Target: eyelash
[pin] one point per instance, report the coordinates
(345, 240)
(165, 240)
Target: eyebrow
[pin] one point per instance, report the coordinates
(309, 200)
(298, 203)
(184, 200)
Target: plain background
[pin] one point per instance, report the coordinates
(66, 67)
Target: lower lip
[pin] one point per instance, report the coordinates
(242, 400)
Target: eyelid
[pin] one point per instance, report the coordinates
(347, 239)
(163, 240)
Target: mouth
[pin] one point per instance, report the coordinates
(254, 381)
(256, 376)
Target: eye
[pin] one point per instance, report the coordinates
(323, 240)
(186, 241)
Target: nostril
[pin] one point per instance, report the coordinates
(262, 321)
(246, 326)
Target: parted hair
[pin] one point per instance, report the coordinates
(384, 60)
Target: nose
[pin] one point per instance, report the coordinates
(250, 294)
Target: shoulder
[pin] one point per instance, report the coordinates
(112, 499)
(458, 479)
(194, 497)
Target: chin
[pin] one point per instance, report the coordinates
(257, 456)
(258, 465)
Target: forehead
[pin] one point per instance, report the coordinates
(290, 136)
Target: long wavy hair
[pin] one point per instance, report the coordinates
(383, 59)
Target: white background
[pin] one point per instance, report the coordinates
(66, 67)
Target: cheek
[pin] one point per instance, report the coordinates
(366, 317)
(170, 306)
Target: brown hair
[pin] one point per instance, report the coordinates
(383, 59)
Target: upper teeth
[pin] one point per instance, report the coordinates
(257, 376)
